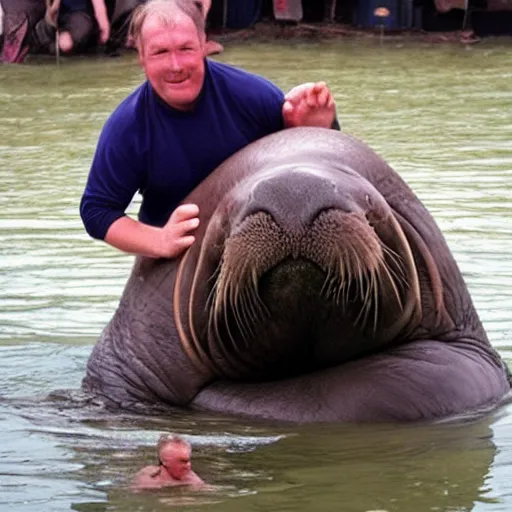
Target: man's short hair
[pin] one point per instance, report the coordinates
(166, 439)
(167, 11)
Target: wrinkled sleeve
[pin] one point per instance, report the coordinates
(117, 172)
(273, 100)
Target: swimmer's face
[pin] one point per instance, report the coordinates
(176, 459)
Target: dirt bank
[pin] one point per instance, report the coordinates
(272, 31)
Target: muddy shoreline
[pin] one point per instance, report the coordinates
(272, 31)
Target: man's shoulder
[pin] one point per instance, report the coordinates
(146, 478)
(149, 470)
(129, 114)
(195, 479)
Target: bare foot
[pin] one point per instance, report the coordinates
(468, 37)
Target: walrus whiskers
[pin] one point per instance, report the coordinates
(366, 305)
(190, 346)
(408, 262)
(432, 270)
(245, 314)
(394, 288)
(368, 296)
(242, 318)
(376, 301)
(250, 313)
(348, 277)
(359, 267)
(365, 275)
(227, 299)
(236, 299)
(236, 290)
(259, 308)
(219, 343)
(397, 270)
(326, 289)
(210, 302)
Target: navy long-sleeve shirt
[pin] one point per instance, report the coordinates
(164, 153)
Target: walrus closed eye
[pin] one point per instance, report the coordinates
(318, 289)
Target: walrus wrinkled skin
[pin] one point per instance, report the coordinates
(319, 288)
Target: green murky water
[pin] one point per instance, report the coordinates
(441, 115)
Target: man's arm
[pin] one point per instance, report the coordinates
(118, 170)
(103, 206)
(134, 237)
(145, 479)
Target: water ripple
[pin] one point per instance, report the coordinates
(440, 115)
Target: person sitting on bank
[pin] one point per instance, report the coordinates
(174, 466)
(189, 116)
(81, 24)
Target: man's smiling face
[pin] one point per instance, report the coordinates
(173, 59)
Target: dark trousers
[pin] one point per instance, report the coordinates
(82, 27)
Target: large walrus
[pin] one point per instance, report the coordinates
(319, 288)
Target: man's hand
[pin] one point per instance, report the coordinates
(309, 104)
(176, 236)
(170, 241)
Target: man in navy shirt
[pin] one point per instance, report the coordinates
(176, 128)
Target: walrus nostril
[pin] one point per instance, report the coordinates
(294, 199)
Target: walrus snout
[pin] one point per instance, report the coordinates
(287, 246)
(296, 198)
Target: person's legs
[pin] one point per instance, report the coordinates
(65, 41)
(77, 32)
(43, 37)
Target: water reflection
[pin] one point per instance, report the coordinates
(441, 115)
(92, 455)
